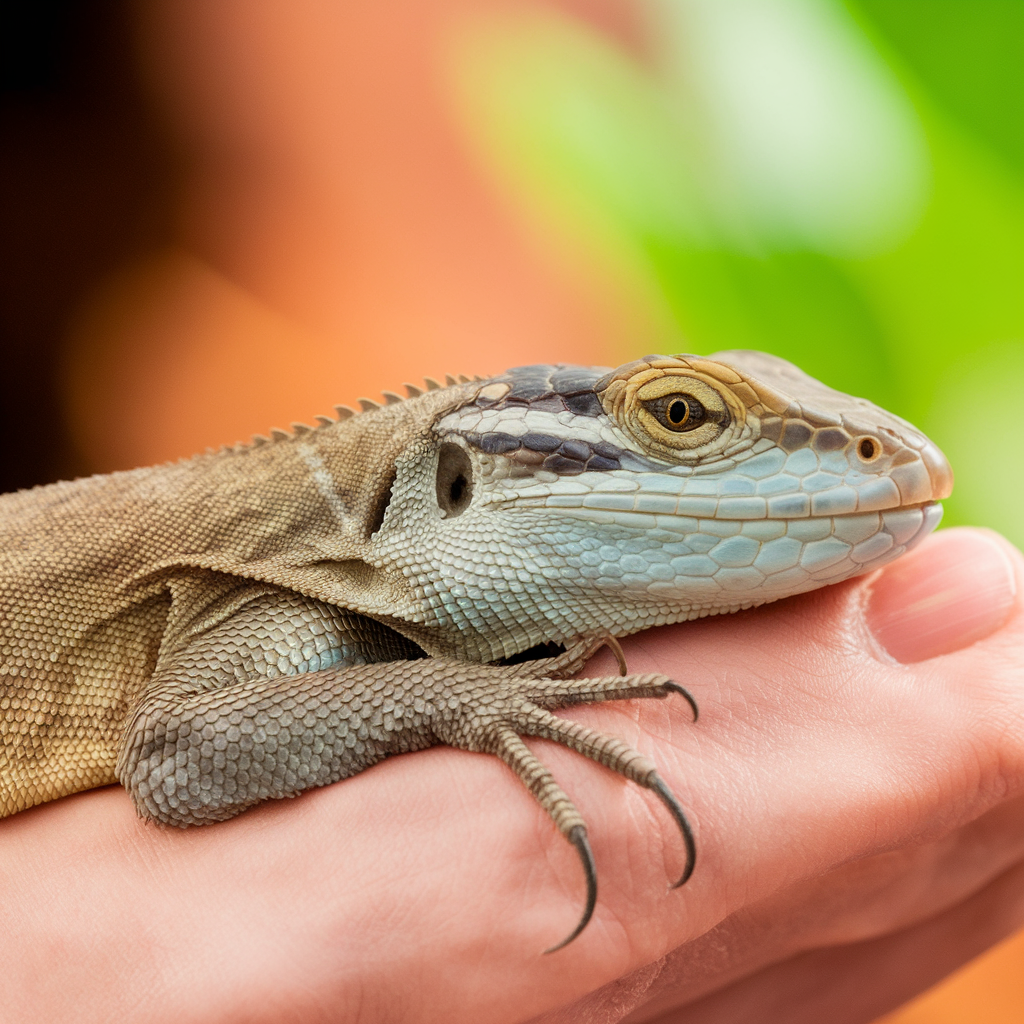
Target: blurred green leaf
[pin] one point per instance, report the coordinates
(970, 58)
(612, 159)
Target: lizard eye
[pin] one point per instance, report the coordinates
(677, 412)
(680, 413)
(670, 412)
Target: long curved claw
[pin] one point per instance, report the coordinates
(686, 695)
(657, 785)
(578, 837)
(615, 647)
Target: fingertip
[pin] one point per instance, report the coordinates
(955, 590)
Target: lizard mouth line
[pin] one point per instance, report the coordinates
(915, 506)
(586, 511)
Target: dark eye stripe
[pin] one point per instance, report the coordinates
(553, 388)
(541, 442)
(567, 457)
(584, 404)
(494, 443)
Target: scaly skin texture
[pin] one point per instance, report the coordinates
(254, 622)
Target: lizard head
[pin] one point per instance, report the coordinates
(555, 501)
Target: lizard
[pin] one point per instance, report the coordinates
(281, 614)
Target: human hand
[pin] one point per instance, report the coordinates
(856, 818)
(934, 749)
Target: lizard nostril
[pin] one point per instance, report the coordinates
(868, 449)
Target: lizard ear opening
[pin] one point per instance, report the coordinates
(454, 480)
(380, 506)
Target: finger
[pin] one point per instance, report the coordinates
(856, 983)
(848, 908)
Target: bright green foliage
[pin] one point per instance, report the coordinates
(969, 55)
(841, 184)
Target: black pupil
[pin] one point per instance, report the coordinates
(678, 411)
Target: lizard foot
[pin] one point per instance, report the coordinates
(497, 725)
(193, 754)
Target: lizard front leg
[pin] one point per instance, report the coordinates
(209, 740)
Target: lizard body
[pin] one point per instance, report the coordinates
(251, 623)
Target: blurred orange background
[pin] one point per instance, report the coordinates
(323, 229)
(331, 236)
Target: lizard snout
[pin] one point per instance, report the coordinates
(939, 471)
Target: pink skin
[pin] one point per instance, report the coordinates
(860, 826)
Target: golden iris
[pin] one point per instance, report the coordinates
(677, 412)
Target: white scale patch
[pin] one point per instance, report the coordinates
(324, 481)
(519, 420)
